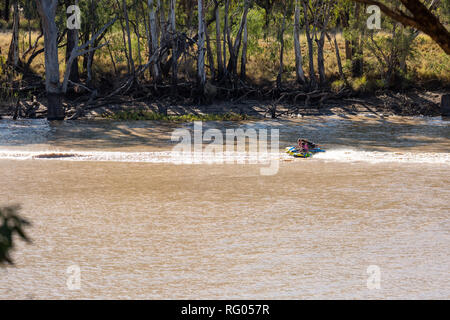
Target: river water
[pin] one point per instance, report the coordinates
(107, 198)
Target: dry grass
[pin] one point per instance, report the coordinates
(428, 63)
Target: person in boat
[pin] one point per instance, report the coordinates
(305, 145)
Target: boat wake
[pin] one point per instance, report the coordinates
(339, 155)
(349, 155)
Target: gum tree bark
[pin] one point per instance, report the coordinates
(173, 31)
(201, 75)
(47, 12)
(323, 14)
(298, 51)
(162, 30)
(153, 41)
(72, 43)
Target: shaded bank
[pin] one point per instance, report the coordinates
(290, 105)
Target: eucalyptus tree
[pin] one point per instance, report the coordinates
(47, 12)
(300, 75)
(173, 34)
(201, 73)
(72, 42)
(417, 15)
(153, 39)
(234, 48)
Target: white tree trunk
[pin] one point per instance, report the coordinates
(153, 45)
(201, 47)
(72, 43)
(173, 30)
(298, 51)
(162, 30)
(47, 11)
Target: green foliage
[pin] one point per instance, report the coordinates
(148, 115)
(337, 85)
(11, 224)
(360, 84)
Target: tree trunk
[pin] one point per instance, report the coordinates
(13, 54)
(173, 29)
(88, 59)
(72, 43)
(201, 48)
(298, 51)
(210, 53)
(225, 35)
(47, 11)
(162, 30)
(281, 39)
(320, 59)
(153, 41)
(218, 41)
(338, 58)
(312, 73)
(357, 59)
(89, 29)
(130, 50)
(345, 17)
(138, 33)
(234, 52)
(244, 52)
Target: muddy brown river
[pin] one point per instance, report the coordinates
(107, 199)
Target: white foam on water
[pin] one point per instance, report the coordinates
(173, 157)
(339, 155)
(350, 155)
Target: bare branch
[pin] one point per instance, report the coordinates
(79, 51)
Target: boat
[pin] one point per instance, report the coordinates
(294, 151)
